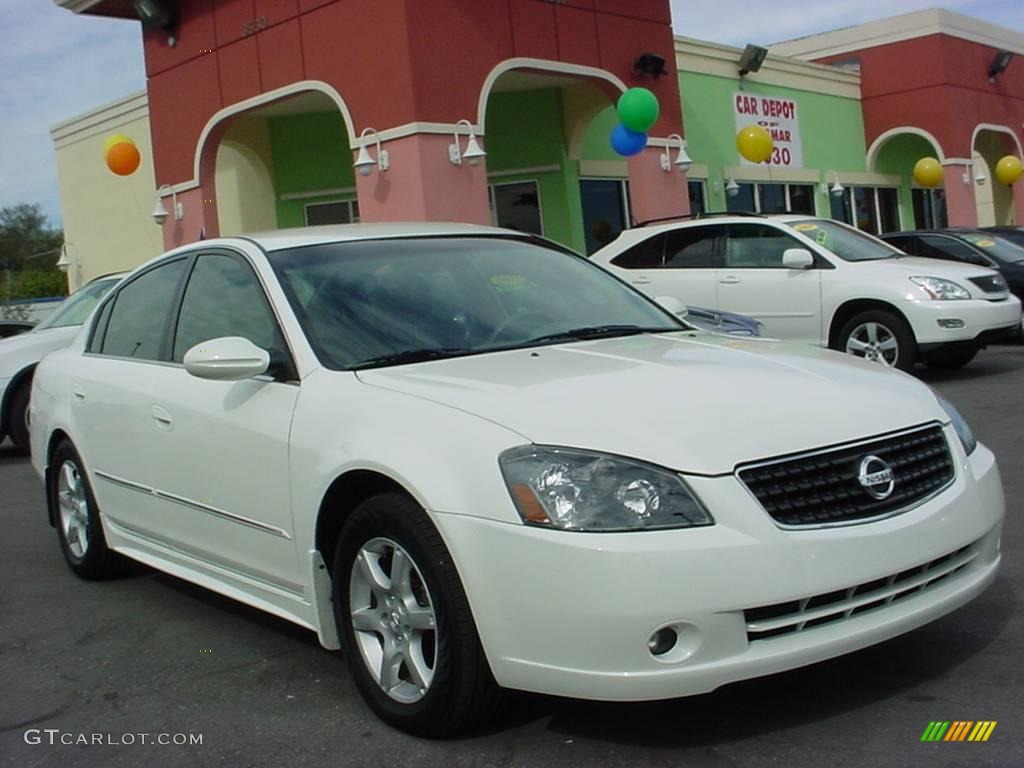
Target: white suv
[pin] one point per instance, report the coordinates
(819, 280)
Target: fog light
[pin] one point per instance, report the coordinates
(662, 641)
(950, 322)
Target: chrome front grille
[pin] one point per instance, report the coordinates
(825, 487)
(795, 616)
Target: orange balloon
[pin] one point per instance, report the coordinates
(123, 158)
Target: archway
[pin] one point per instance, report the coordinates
(994, 201)
(895, 153)
(281, 160)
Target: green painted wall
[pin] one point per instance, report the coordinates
(524, 129)
(831, 129)
(898, 156)
(310, 153)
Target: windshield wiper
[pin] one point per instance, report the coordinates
(598, 332)
(410, 356)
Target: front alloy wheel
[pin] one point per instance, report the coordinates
(393, 620)
(874, 342)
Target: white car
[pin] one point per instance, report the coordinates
(477, 462)
(820, 281)
(20, 354)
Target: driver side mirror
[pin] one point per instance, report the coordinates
(797, 258)
(229, 358)
(673, 305)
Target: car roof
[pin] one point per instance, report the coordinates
(275, 240)
(953, 231)
(643, 230)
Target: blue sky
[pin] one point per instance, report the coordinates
(55, 65)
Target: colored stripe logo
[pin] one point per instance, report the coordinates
(959, 730)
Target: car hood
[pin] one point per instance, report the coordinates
(918, 266)
(693, 402)
(29, 348)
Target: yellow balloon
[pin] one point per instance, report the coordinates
(1009, 170)
(755, 143)
(928, 172)
(117, 138)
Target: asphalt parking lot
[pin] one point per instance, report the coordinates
(153, 655)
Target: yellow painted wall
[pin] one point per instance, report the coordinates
(107, 218)
(245, 179)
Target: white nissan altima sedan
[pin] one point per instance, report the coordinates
(477, 462)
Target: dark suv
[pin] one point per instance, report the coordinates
(986, 248)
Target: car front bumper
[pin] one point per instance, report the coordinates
(570, 614)
(978, 320)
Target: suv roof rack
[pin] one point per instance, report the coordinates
(702, 215)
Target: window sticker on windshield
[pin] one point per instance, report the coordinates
(508, 282)
(984, 243)
(805, 227)
(822, 237)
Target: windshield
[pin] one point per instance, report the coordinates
(77, 307)
(382, 302)
(845, 242)
(997, 248)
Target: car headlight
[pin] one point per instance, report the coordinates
(937, 288)
(586, 491)
(967, 438)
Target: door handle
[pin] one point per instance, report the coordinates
(640, 280)
(79, 395)
(162, 418)
(729, 280)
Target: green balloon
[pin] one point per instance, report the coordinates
(638, 109)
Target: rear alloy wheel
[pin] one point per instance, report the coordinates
(77, 517)
(17, 416)
(408, 633)
(880, 337)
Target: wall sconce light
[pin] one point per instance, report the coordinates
(980, 177)
(731, 187)
(365, 163)
(649, 64)
(682, 162)
(63, 263)
(752, 58)
(160, 213)
(473, 151)
(999, 64)
(836, 189)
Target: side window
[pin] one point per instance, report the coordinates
(99, 327)
(693, 247)
(224, 298)
(903, 242)
(756, 246)
(646, 255)
(949, 249)
(138, 318)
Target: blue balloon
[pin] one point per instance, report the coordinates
(626, 142)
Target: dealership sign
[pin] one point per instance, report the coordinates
(780, 118)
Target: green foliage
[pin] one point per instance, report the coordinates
(29, 250)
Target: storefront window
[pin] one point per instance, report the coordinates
(604, 211)
(336, 212)
(871, 209)
(698, 199)
(773, 198)
(517, 206)
(930, 208)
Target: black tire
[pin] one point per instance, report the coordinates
(97, 561)
(893, 326)
(951, 359)
(17, 413)
(462, 692)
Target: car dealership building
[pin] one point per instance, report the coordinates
(264, 114)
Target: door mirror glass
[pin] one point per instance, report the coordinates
(229, 358)
(797, 258)
(673, 305)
